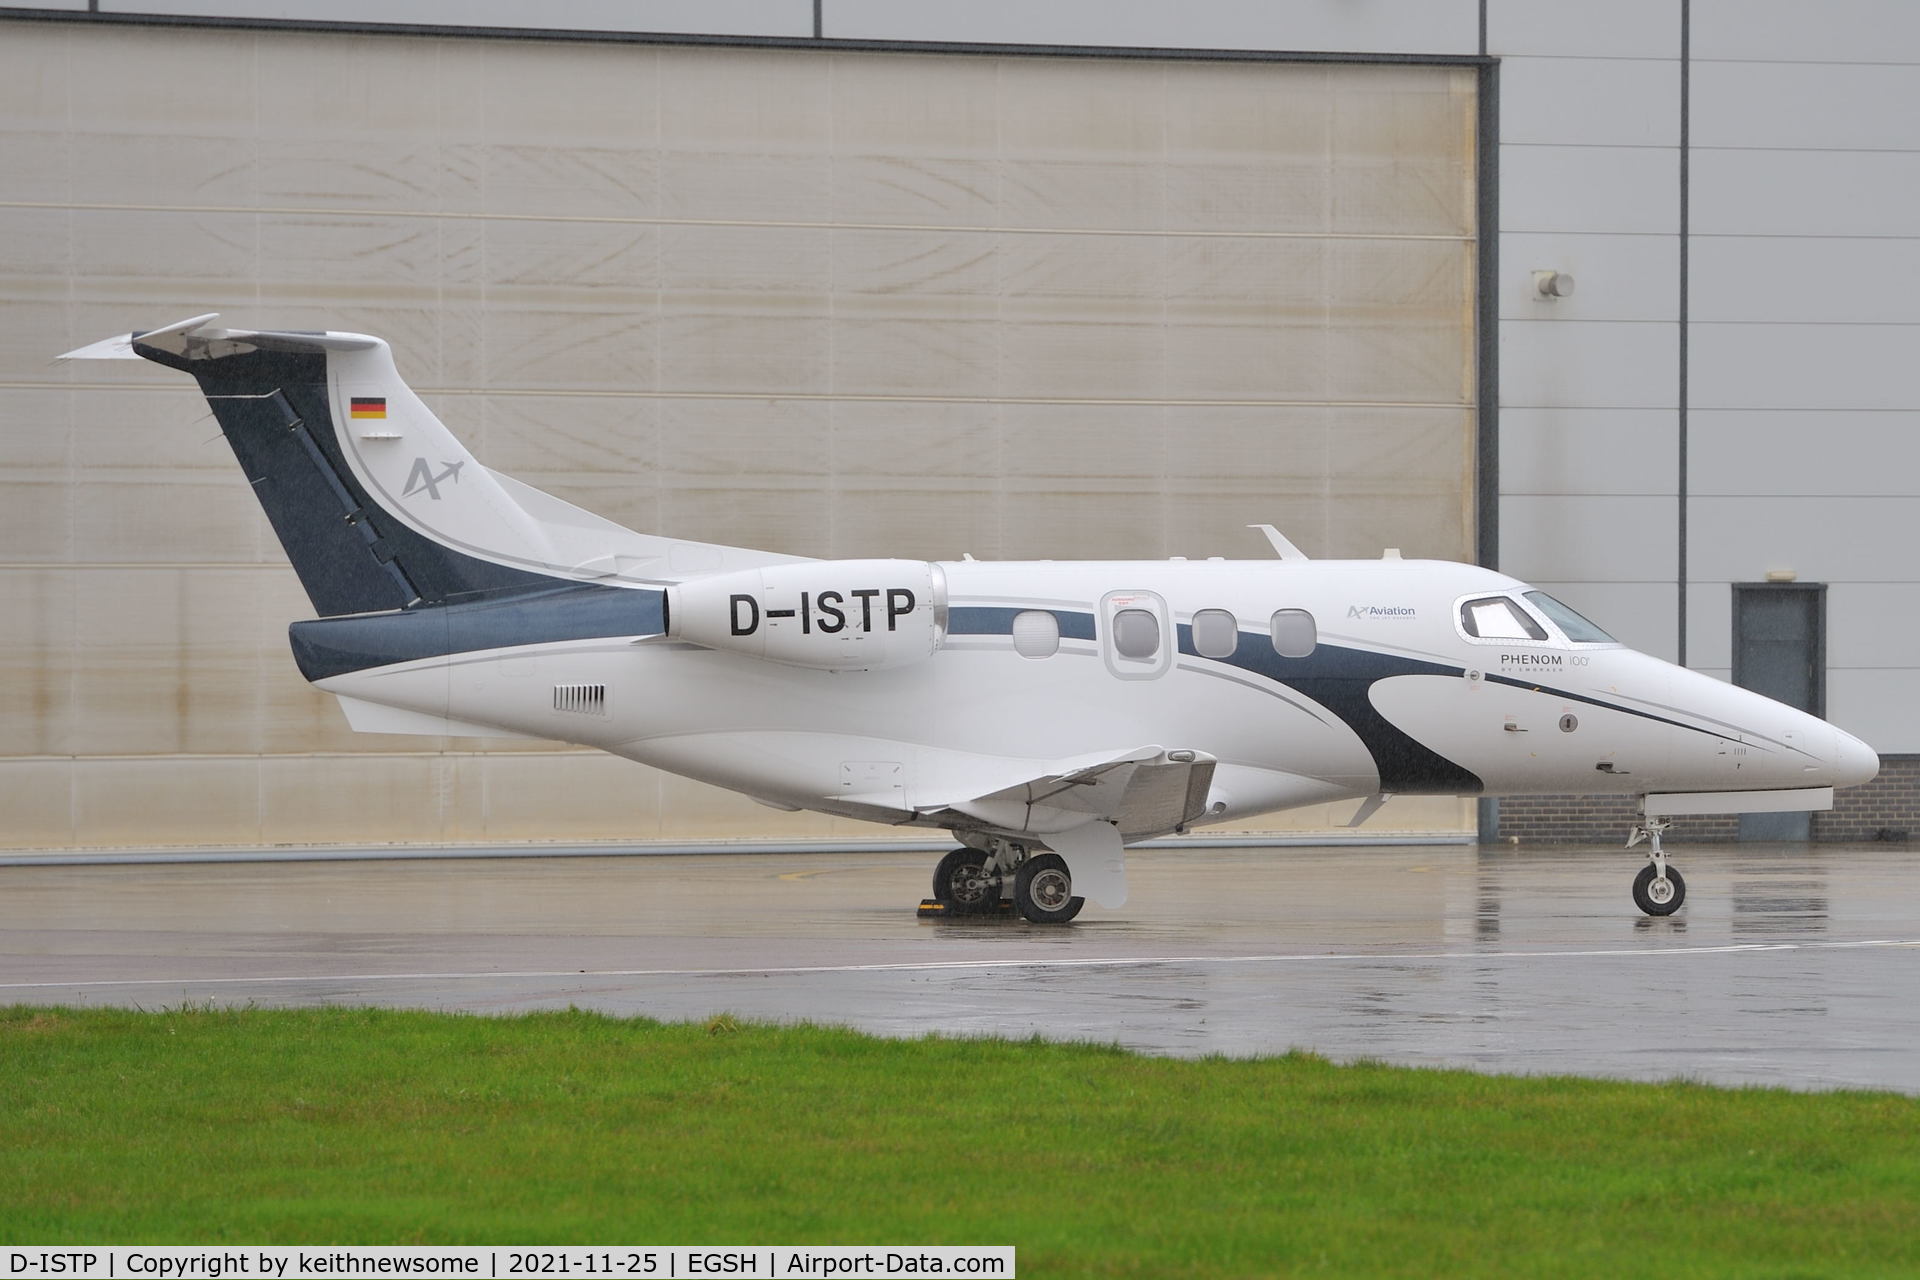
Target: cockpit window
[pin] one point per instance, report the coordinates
(1498, 618)
(1578, 629)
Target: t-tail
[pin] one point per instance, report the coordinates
(378, 506)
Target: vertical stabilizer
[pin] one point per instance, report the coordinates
(377, 504)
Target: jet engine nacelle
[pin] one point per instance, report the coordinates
(832, 615)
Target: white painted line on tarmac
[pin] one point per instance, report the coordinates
(938, 966)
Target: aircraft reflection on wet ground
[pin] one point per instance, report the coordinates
(1789, 965)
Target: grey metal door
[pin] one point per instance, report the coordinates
(1779, 649)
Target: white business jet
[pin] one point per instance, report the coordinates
(1045, 713)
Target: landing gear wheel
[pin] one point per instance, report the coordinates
(1043, 890)
(963, 882)
(1655, 898)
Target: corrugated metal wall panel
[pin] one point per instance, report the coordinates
(833, 304)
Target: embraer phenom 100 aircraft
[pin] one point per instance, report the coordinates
(1045, 713)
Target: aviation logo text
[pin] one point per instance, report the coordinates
(1522, 661)
(423, 478)
(1371, 611)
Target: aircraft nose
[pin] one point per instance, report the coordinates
(1854, 762)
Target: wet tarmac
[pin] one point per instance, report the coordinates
(1790, 965)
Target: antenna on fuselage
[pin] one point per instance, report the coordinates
(1281, 547)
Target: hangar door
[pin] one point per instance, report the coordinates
(837, 304)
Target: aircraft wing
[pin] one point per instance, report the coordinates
(1146, 791)
(1086, 808)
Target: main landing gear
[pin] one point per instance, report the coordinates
(1043, 890)
(1659, 889)
(966, 885)
(971, 882)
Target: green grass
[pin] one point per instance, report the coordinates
(366, 1127)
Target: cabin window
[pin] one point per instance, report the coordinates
(1135, 627)
(1216, 633)
(1294, 633)
(1578, 629)
(1136, 633)
(1498, 618)
(1036, 634)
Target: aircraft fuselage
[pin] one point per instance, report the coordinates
(1393, 696)
(1044, 712)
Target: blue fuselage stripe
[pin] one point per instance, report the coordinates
(993, 620)
(1333, 676)
(574, 611)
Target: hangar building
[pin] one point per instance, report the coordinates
(1614, 297)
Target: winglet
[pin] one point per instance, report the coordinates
(1281, 547)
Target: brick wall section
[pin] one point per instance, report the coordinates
(1596, 820)
(1888, 808)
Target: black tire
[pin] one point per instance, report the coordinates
(1043, 890)
(1643, 895)
(961, 881)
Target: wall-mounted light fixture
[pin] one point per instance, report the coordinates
(1552, 284)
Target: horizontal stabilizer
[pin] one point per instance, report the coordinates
(202, 338)
(120, 348)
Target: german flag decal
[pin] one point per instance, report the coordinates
(367, 407)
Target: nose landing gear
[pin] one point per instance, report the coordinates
(1659, 889)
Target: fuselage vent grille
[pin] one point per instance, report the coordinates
(581, 699)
